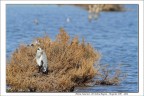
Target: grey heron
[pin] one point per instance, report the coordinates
(41, 60)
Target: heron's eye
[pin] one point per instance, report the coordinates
(38, 49)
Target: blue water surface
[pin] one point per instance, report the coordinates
(113, 34)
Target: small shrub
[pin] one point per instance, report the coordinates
(106, 78)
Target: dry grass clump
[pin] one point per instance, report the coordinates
(104, 7)
(70, 63)
(113, 7)
(105, 77)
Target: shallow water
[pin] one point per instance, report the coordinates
(114, 34)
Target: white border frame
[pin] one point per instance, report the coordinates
(3, 43)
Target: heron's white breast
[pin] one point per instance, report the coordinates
(38, 60)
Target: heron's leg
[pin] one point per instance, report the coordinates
(39, 69)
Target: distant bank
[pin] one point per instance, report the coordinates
(105, 7)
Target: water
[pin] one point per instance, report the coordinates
(114, 34)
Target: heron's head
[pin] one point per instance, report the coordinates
(39, 51)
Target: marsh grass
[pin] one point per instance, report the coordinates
(70, 63)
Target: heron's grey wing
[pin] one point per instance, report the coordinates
(42, 63)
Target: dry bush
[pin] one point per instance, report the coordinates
(70, 63)
(113, 7)
(110, 76)
(104, 7)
